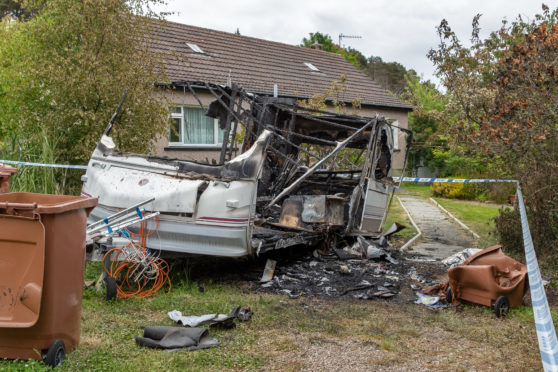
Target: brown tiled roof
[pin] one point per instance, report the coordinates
(257, 65)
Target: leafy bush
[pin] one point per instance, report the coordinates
(500, 192)
(466, 191)
(62, 74)
(496, 192)
(508, 227)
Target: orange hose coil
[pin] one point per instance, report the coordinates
(122, 270)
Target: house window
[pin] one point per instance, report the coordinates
(189, 127)
(195, 48)
(395, 133)
(311, 66)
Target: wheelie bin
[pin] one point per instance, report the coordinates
(489, 278)
(42, 260)
(5, 173)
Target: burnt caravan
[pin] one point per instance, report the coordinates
(288, 175)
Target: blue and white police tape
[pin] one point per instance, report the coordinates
(449, 180)
(546, 333)
(43, 165)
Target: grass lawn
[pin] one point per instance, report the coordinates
(397, 214)
(477, 216)
(301, 334)
(416, 189)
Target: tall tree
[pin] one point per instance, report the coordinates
(427, 138)
(62, 75)
(502, 102)
(390, 75)
(318, 38)
(20, 9)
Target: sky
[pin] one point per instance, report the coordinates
(396, 30)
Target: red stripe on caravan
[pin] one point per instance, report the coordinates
(223, 219)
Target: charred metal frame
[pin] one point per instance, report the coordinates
(340, 146)
(295, 130)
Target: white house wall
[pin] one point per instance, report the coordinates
(179, 98)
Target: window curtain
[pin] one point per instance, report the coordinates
(201, 127)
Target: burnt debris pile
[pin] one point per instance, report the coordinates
(364, 270)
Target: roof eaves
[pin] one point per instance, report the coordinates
(404, 107)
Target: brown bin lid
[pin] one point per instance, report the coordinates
(22, 256)
(7, 171)
(46, 203)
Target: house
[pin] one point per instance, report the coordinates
(195, 54)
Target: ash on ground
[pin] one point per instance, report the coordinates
(363, 270)
(328, 275)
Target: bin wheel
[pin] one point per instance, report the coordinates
(56, 354)
(501, 306)
(449, 295)
(111, 288)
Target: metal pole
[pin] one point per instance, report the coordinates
(340, 146)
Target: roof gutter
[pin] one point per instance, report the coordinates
(196, 85)
(329, 100)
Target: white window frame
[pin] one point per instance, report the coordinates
(312, 67)
(395, 133)
(195, 48)
(182, 132)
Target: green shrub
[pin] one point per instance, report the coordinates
(508, 227)
(496, 192)
(458, 190)
(500, 192)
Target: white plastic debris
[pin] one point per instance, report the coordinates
(432, 302)
(458, 258)
(268, 271)
(194, 320)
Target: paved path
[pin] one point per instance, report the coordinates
(441, 236)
